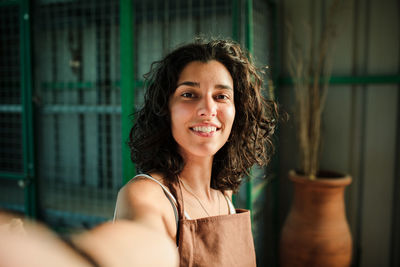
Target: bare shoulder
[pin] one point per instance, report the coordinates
(143, 200)
(139, 194)
(141, 189)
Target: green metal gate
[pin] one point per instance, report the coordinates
(17, 181)
(88, 60)
(78, 113)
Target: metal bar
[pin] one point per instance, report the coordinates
(235, 20)
(9, 3)
(24, 91)
(344, 80)
(69, 85)
(249, 191)
(83, 85)
(362, 136)
(275, 183)
(378, 79)
(24, 120)
(27, 114)
(235, 37)
(395, 237)
(127, 82)
(277, 66)
(11, 108)
(12, 176)
(250, 47)
(100, 109)
(249, 26)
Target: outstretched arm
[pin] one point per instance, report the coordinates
(127, 243)
(124, 243)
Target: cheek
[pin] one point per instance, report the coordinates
(230, 115)
(178, 115)
(174, 119)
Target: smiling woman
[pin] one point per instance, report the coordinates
(152, 145)
(202, 108)
(203, 125)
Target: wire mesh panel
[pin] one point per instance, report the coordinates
(262, 32)
(10, 91)
(12, 196)
(76, 73)
(161, 25)
(11, 144)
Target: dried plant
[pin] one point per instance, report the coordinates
(309, 65)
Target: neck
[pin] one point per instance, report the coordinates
(197, 176)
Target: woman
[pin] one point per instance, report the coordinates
(203, 125)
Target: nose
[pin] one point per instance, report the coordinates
(207, 107)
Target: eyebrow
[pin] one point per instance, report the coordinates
(194, 84)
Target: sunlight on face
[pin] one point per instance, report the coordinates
(202, 108)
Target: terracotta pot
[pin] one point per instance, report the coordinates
(316, 232)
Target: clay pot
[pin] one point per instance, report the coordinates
(316, 232)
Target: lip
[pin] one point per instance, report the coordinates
(206, 125)
(203, 134)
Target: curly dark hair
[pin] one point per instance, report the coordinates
(153, 148)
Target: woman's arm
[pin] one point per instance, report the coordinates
(126, 243)
(29, 244)
(123, 243)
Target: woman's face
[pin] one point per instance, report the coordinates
(202, 108)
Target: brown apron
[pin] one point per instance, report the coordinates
(224, 240)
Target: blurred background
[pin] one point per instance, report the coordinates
(71, 73)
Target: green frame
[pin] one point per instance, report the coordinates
(249, 37)
(30, 180)
(346, 80)
(128, 83)
(27, 178)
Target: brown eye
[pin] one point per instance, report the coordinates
(222, 97)
(187, 95)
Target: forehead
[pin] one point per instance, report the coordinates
(213, 70)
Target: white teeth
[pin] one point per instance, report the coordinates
(204, 129)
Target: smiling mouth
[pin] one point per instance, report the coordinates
(204, 129)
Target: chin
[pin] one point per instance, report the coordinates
(203, 151)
